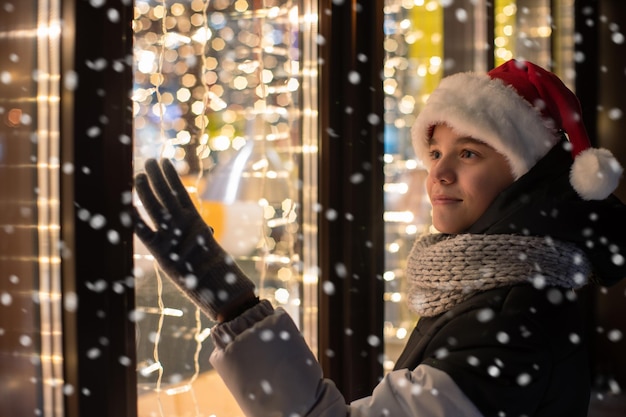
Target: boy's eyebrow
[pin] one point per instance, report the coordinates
(463, 140)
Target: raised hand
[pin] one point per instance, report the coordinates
(184, 246)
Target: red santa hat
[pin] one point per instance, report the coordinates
(519, 109)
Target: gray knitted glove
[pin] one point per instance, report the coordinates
(185, 248)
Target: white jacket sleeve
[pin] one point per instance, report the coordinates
(423, 392)
(271, 371)
(268, 367)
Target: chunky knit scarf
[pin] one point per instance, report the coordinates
(444, 270)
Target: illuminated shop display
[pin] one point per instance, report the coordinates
(223, 89)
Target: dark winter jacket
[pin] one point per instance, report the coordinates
(514, 351)
(268, 367)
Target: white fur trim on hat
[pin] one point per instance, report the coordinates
(595, 173)
(488, 110)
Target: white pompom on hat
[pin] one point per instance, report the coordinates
(519, 109)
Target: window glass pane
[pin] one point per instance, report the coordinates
(523, 29)
(540, 31)
(415, 61)
(413, 67)
(223, 89)
(31, 358)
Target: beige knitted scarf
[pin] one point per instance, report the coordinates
(444, 270)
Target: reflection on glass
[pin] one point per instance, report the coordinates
(31, 299)
(414, 64)
(523, 29)
(223, 89)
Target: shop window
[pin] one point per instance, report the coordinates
(224, 90)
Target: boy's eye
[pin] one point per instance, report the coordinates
(468, 154)
(434, 154)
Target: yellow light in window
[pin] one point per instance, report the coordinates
(218, 44)
(169, 151)
(398, 217)
(201, 121)
(188, 80)
(411, 164)
(269, 212)
(158, 110)
(197, 107)
(390, 85)
(267, 76)
(241, 5)
(156, 79)
(293, 85)
(210, 63)
(183, 94)
(396, 188)
(141, 8)
(149, 369)
(400, 123)
(197, 5)
(197, 19)
(238, 143)
(410, 229)
(285, 274)
(177, 9)
(401, 333)
(158, 12)
(172, 39)
(544, 31)
(510, 9)
(393, 247)
(240, 83)
(210, 77)
(310, 278)
(431, 6)
(202, 35)
(167, 98)
(183, 137)
(396, 297)
(281, 295)
(146, 61)
(435, 60)
(390, 45)
(407, 105)
(219, 143)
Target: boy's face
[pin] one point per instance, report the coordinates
(464, 178)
